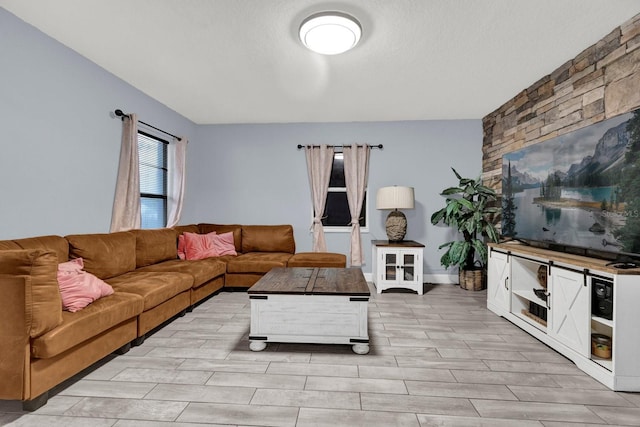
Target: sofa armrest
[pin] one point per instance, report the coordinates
(42, 305)
(14, 336)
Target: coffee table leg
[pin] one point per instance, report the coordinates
(360, 348)
(257, 345)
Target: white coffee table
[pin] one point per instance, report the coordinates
(310, 305)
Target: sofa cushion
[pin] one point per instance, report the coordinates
(236, 229)
(257, 262)
(191, 228)
(8, 245)
(181, 250)
(202, 270)
(43, 309)
(224, 244)
(58, 244)
(154, 287)
(199, 246)
(153, 246)
(105, 255)
(318, 259)
(180, 230)
(80, 326)
(245, 280)
(268, 238)
(78, 288)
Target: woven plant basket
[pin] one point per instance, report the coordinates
(473, 280)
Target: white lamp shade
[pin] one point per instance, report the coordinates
(395, 198)
(330, 33)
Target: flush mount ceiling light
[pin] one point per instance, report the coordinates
(330, 33)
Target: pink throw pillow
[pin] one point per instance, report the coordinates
(224, 244)
(74, 265)
(181, 250)
(199, 246)
(78, 288)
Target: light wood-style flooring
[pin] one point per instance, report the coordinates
(440, 359)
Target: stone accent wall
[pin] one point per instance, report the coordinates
(601, 82)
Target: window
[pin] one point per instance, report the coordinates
(152, 153)
(336, 212)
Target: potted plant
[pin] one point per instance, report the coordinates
(469, 209)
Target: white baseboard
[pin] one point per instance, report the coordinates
(441, 279)
(438, 279)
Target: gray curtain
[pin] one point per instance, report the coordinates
(126, 202)
(319, 162)
(356, 174)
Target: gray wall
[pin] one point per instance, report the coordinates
(60, 143)
(60, 148)
(255, 174)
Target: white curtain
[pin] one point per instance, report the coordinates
(319, 162)
(177, 170)
(356, 174)
(126, 203)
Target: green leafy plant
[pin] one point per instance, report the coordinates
(469, 210)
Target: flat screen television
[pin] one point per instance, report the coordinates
(579, 192)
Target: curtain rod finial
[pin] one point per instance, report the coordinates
(119, 113)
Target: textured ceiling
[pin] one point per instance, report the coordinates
(240, 61)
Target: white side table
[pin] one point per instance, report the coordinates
(397, 265)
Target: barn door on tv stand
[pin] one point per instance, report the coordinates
(570, 314)
(498, 283)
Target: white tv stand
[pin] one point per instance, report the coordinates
(512, 277)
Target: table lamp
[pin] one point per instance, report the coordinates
(395, 198)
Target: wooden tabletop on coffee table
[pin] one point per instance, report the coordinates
(312, 281)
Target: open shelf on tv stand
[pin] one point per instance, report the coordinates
(515, 270)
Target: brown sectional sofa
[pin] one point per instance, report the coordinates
(42, 345)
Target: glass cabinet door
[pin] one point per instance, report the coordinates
(390, 266)
(408, 262)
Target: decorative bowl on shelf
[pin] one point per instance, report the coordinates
(542, 276)
(601, 346)
(540, 293)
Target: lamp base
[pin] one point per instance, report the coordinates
(396, 226)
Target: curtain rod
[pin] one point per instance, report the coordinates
(300, 146)
(120, 114)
